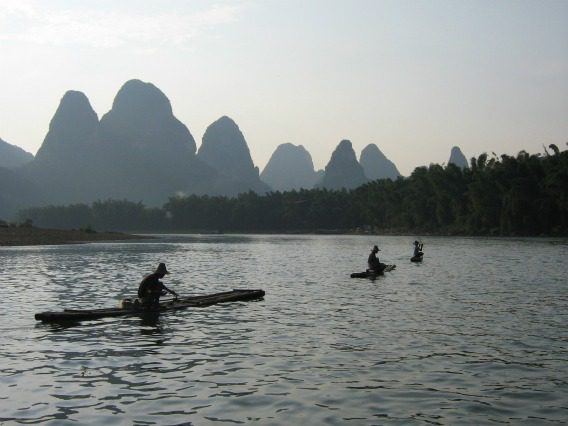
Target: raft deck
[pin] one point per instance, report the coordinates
(135, 309)
(369, 273)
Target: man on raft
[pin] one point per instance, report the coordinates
(151, 288)
(373, 261)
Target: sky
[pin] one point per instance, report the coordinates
(414, 77)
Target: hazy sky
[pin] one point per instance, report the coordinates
(415, 77)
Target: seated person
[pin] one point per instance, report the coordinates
(151, 288)
(373, 261)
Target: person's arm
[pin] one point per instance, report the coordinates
(170, 291)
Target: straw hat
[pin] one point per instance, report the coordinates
(161, 269)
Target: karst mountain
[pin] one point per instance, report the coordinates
(343, 170)
(290, 167)
(225, 150)
(138, 151)
(376, 165)
(457, 158)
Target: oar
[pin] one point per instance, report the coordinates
(170, 301)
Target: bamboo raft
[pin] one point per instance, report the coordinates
(136, 309)
(369, 273)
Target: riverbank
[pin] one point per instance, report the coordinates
(30, 236)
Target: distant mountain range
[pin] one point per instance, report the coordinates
(139, 151)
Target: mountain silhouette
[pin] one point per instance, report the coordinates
(139, 151)
(62, 167)
(141, 117)
(72, 130)
(225, 150)
(290, 167)
(146, 153)
(343, 169)
(457, 158)
(376, 165)
(12, 156)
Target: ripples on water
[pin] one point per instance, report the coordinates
(477, 334)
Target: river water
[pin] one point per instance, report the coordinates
(476, 334)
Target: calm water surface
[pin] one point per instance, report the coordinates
(477, 334)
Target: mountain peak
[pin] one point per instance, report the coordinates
(343, 169)
(72, 127)
(290, 167)
(225, 149)
(142, 116)
(74, 107)
(457, 158)
(376, 165)
(142, 100)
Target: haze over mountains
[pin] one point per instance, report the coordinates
(139, 151)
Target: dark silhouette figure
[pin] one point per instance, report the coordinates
(418, 253)
(373, 261)
(151, 288)
(418, 249)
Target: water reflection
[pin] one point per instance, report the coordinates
(150, 320)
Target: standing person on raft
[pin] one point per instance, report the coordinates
(418, 249)
(151, 288)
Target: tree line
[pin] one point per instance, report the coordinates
(507, 195)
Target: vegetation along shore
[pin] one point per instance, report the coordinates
(526, 195)
(30, 236)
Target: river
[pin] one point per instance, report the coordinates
(476, 334)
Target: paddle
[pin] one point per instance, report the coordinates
(175, 298)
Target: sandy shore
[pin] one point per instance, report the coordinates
(16, 236)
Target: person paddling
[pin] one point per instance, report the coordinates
(151, 288)
(373, 261)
